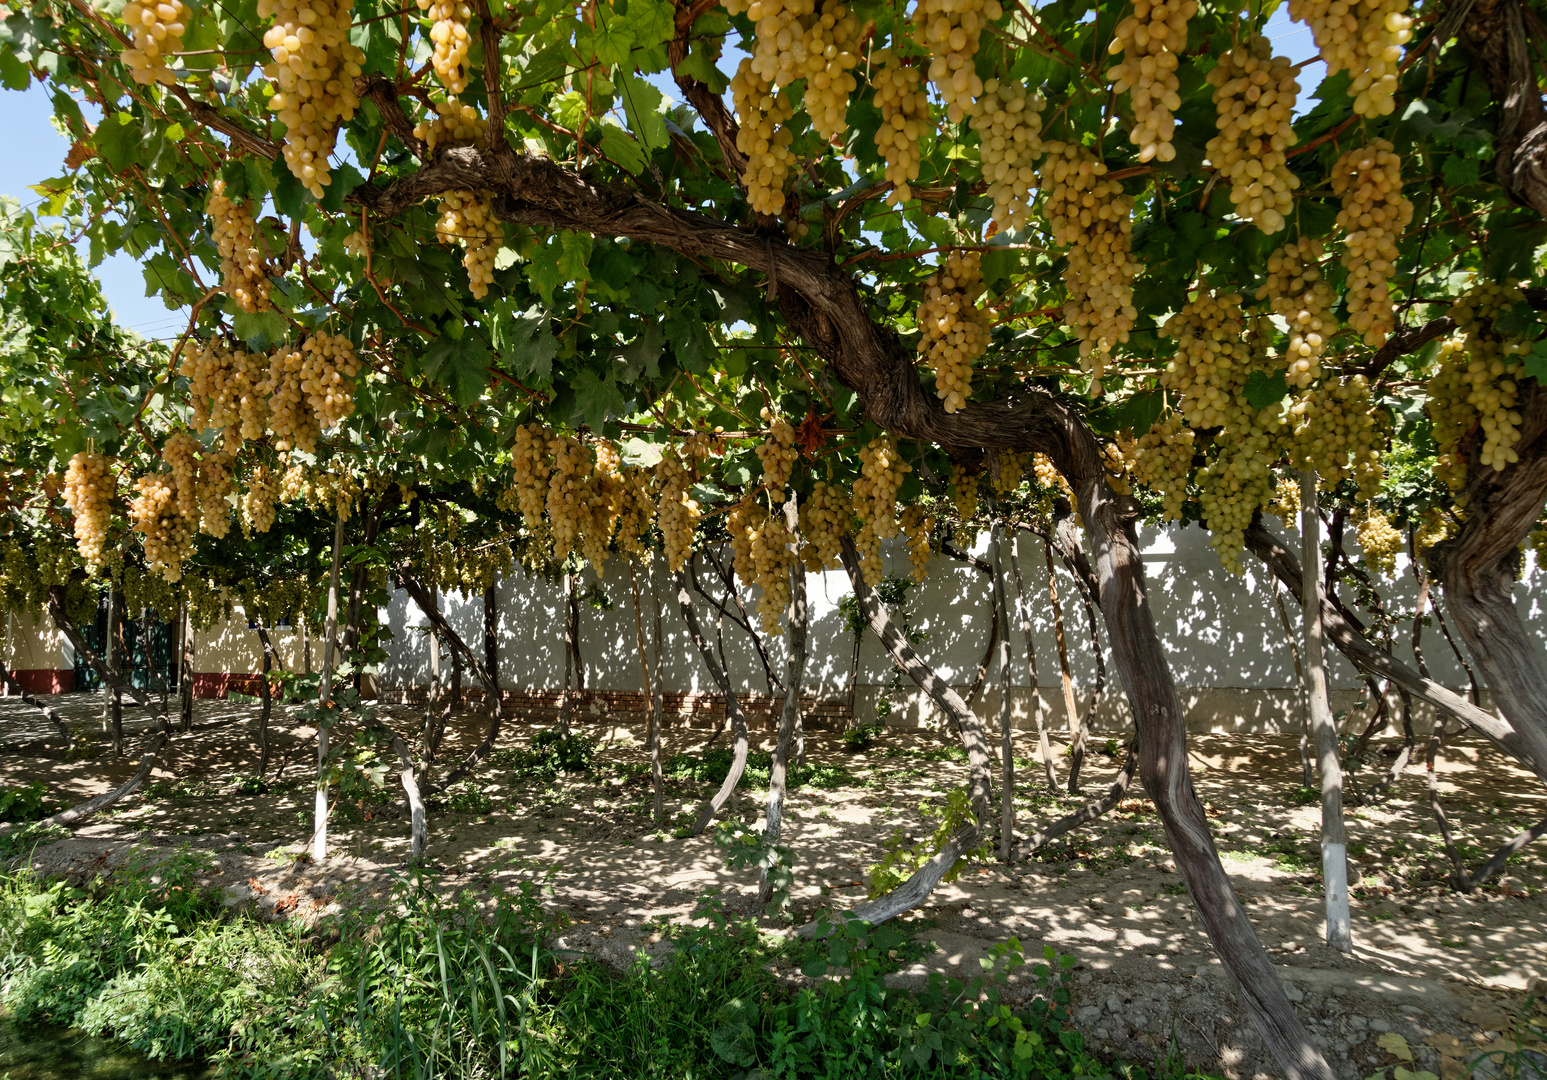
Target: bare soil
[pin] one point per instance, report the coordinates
(1448, 972)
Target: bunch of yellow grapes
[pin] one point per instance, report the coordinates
(1374, 213)
(468, 216)
(216, 484)
(291, 420)
(761, 113)
(875, 502)
(1477, 385)
(636, 511)
(678, 511)
(1254, 94)
(180, 454)
(1094, 219)
(1008, 120)
(760, 541)
(453, 124)
(1152, 38)
(1298, 291)
(449, 19)
(314, 72)
(953, 330)
(777, 453)
(1338, 433)
(258, 502)
(166, 533)
(327, 377)
(1364, 38)
(243, 275)
(601, 505)
(1380, 542)
(824, 522)
(566, 491)
(917, 528)
(1211, 361)
(1239, 481)
(951, 30)
(157, 27)
(529, 462)
(227, 388)
(904, 108)
(90, 485)
(1161, 460)
(964, 492)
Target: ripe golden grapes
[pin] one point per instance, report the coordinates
(950, 30)
(953, 330)
(216, 485)
(566, 492)
(258, 502)
(328, 371)
(449, 19)
(1254, 93)
(601, 505)
(1008, 120)
(180, 453)
(777, 453)
(761, 112)
(1379, 541)
(1338, 433)
(904, 108)
(1152, 39)
(290, 415)
(1093, 217)
(1374, 213)
(467, 216)
(1161, 460)
(227, 388)
(1212, 360)
(875, 502)
(1298, 291)
(824, 522)
(529, 462)
(243, 275)
(314, 70)
(166, 533)
(1364, 38)
(157, 27)
(1477, 385)
(90, 485)
(453, 124)
(760, 540)
(1008, 469)
(964, 492)
(917, 528)
(678, 511)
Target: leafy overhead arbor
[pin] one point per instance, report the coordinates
(476, 249)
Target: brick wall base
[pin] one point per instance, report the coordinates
(47, 680)
(218, 685)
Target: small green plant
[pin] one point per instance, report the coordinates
(903, 856)
(466, 797)
(1305, 796)
(744, 848)
(24, 803)
(862, 738)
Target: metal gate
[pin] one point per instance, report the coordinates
(153, 672)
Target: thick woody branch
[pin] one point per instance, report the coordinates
(711, 106)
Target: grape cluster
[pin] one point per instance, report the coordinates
(166, 533)
(1374, 213)
(314, 70)
(964, 492)
(328, 371)
(904, 108)
(1338, 433)
(567, 492)
(290, 416)
(917, 528)
(678, 511)
(761, 540)
(157, 26)
(258, 502)
(761, 112)
(875, 502)
(1008, 121)
(90, 485)
(953, 330)
(453, 124)
(636, 511)
(468, 217)
(1211, 361)
(1233, 486)
(449, 19)
(180, 454)
(1477, 385)
(1093, 217)
(1009, 469)
(1254, 95)
(1050, 479)
(1299, 293)
(601, 505)
(243, 275)
(1161, 460)
(950, 31)
(227, 388)
(529, 462)
(216, 484)
(824, 522)
(777, 453)
(1364, 38)
(1152, 39)
(1379, 541)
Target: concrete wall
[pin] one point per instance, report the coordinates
(39, 655)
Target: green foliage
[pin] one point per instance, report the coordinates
(714, 764)
(861, 737)
(904, 856)
(24, 803)
(746, 848)
(551, 753)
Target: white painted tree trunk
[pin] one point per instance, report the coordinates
(1006, 743)
(1334, 839)
(324, 694)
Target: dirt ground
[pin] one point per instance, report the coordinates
(1448, 973)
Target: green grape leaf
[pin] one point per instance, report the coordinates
(622, 149)
(642, 104)
(262, 329)
(1264, 390)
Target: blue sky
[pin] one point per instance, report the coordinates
(37, 153)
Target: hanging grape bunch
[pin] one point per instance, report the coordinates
(875, 502)
(1254, 93)
(1211, 362)
(166, 533)
(777, 453)
(244, 276)
(1161, 459)
(258, 502)
(601, 505)
(678, 511)
(953, 329)
(467, 217)
(90, 485)
(449, 19)
(216, 485)
(964, 492)
(1151, 40)
(313, 71)
(1094, 219)
(1476, 387)
(917, 528)
(452, 124)
(1338, 433)
(904, 108)
(529, 462)
(327, 377)
(950, 30)
(1369, 181)
(824, 522)
(762, 112)
(1299, 293)
(1008, 121)
(291, 420)
(157, 27)
(566, 492)
(1378, 539)
(1363, 38)
(180, 454)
